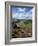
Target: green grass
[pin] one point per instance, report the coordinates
(28, 24)
(25, 24)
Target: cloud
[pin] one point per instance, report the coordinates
(21, 9)
(22, 15)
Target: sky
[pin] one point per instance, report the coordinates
(22, 13)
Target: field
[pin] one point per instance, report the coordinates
(21, 28)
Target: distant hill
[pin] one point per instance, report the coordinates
(18, 20)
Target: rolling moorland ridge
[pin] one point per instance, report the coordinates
(21, 28)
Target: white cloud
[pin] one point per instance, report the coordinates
(27, 15)
(21, 9)
(14, 15)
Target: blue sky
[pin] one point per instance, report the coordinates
(22, 13)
